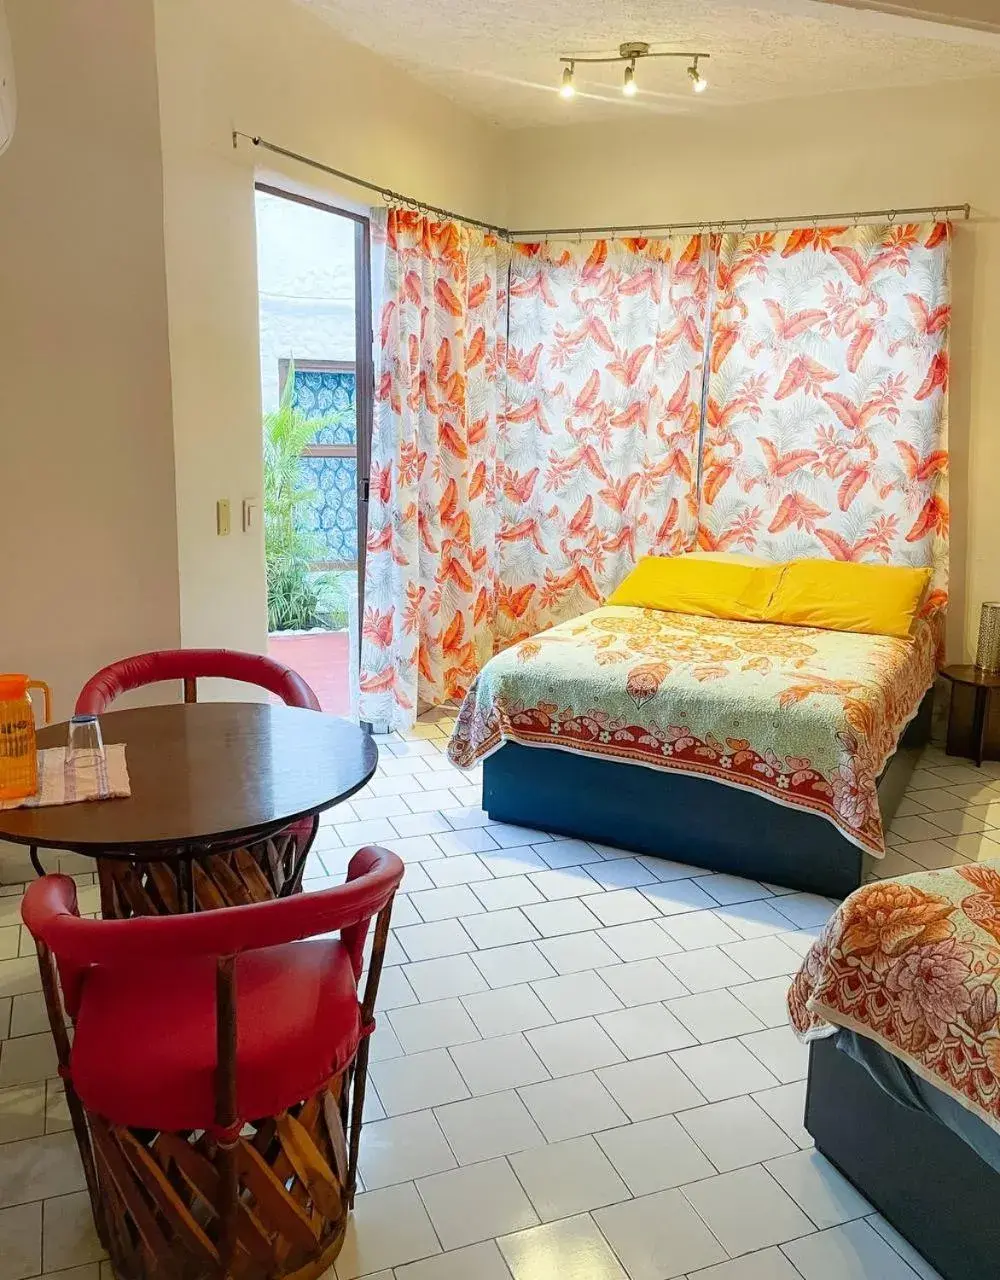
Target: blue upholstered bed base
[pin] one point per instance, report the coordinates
(925, 1179)
(686, 818)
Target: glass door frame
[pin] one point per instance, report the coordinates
(364, 362)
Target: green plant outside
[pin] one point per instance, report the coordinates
(298, 596)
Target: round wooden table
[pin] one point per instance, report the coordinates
(983, 683)
(224, 805)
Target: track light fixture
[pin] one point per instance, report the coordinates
(698, 82)
(630, 52)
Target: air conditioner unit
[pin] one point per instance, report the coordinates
(8, 93)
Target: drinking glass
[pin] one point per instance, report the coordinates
(85, 749)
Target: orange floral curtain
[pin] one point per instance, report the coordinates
(599, 451)
(431, 568)
(826, 416)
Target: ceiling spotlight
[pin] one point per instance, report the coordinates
(628, 53)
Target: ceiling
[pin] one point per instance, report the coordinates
(499, 58)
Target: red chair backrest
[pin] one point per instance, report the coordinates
(50, 913)
(192, 664)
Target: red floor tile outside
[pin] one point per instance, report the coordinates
(321, 658)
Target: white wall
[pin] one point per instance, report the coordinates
(87, 512)
(272, 68)
(120, 193)
(850, 151)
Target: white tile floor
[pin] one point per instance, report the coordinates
(582, 1068)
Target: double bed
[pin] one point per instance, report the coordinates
(771, 751)
(899, 1001)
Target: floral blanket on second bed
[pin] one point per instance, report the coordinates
(807, 718)
(914, 964)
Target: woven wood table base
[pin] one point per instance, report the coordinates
(256, 873)
(164, 1210)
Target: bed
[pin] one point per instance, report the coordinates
(899, 1001)
(770, 751)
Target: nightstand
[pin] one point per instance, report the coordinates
(982, 684)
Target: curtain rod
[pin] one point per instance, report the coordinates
(704, 224)
(742, 224)
(387, 194)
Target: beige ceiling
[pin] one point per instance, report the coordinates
(499, 58)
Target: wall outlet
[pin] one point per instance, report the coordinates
(222, 517)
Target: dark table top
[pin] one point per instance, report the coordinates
(969, 674)
(208, 771)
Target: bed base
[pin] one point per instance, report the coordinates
(929, 1184)
(687, 818)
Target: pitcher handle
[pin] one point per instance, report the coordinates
(47, 693)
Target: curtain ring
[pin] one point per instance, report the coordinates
(856, 220)
(743, 226)
(892, 216)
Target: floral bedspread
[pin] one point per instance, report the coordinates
(914, 964)
(805, 717)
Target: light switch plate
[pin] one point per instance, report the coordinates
(251, 514)
(222, 517)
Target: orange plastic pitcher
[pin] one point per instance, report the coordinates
(18, 746)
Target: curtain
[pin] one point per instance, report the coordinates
(600, 436)
(826, 415)
(431, 570)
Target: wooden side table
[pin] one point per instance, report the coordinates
(982, 684)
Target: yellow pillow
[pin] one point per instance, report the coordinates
(710, 588)
(874, 599)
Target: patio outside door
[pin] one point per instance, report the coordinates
(314, 280)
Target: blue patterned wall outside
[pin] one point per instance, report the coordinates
(334, 513)
(321, 391)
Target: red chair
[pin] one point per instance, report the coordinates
(190, 665)
(282, 858)
(217, 1072)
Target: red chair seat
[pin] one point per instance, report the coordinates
(144, 1049)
